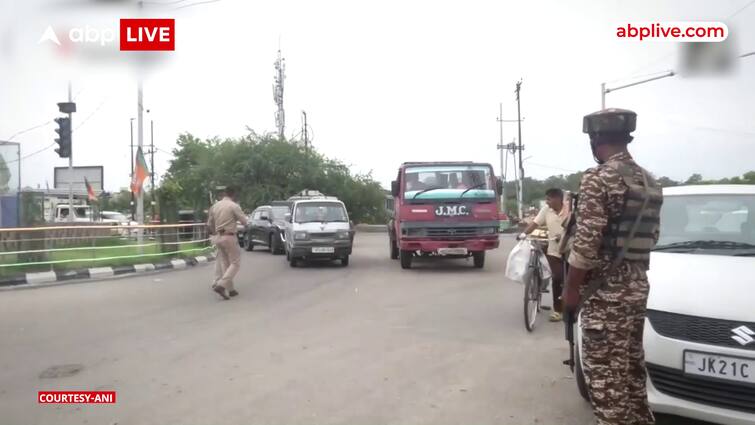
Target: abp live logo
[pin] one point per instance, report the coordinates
(148, 34)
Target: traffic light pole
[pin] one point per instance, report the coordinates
(71, 211)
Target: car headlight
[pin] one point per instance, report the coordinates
(301, 236)
(488, 231)
(343, 234)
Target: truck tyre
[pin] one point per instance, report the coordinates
(248, 244)
(406, 259)
(393, 248)
(345, 261)
(291, 260)
(579, 375)
(479, 259)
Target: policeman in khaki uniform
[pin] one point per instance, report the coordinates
(617, 222)
(222, 226)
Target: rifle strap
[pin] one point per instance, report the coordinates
(598, 283)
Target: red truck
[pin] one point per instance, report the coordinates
(444, 209)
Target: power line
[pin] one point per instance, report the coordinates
(668, 55)
(742, 9)
(196, 4)
(166, 3)
(31, 154)
(29, 129)
(97, 109)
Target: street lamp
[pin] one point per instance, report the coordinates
(605, 90)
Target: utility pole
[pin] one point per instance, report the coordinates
(521, 147)
(304, 132)
(152, 164)
(140, 144)
(501, 147)
(133, 210)
(280, 76)
(71, 210)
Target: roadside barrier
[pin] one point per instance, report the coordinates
(50, 248)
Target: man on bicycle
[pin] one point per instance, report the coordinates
(552, 216)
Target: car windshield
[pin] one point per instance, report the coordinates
(279, 213)
(442, 181)
(320, 212)
(710, 224)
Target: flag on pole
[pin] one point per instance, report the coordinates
(141, 172)
(90, 190)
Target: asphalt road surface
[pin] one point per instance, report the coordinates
(443, 343)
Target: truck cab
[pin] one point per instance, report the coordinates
(444, 209)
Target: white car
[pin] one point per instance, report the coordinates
(318, 229)
(699, 334)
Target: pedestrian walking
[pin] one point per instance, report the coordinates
(223, 216)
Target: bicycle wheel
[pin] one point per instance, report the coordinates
(531, 301)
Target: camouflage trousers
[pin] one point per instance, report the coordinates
(614, 361)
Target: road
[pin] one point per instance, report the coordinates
(443, 343)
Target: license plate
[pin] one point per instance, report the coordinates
(710, 365)
(452, 251)
(323, 250)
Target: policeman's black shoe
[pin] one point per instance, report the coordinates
(220, 291)
(233, 293)
(545, 307)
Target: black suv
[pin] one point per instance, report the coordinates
(266, 227)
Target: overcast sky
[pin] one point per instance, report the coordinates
(383, 82)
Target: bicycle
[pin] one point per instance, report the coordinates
(534, 286)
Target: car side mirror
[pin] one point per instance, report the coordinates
(499, 186)
(265, 218)
(395, 188)
(287, 217)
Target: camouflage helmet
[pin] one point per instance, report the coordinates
(612, 120)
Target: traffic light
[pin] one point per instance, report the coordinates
(64, 139)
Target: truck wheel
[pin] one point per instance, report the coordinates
(345, 261)
(393, 248)
(579, 374)
(248, 244)
(406, 259)
(479, 259)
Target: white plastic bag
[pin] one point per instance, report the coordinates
(545, 267)
(518, 262)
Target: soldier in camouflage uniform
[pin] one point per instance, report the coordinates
(616, 227)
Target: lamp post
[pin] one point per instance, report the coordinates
(605, 90)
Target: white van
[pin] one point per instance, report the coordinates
(318, 229)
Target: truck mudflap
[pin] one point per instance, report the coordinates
(433, 246)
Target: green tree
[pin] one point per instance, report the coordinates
(694, 179)
(667, 182)
(265, 169)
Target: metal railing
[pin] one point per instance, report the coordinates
(60, 247)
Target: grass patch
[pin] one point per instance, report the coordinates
(102, 253)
